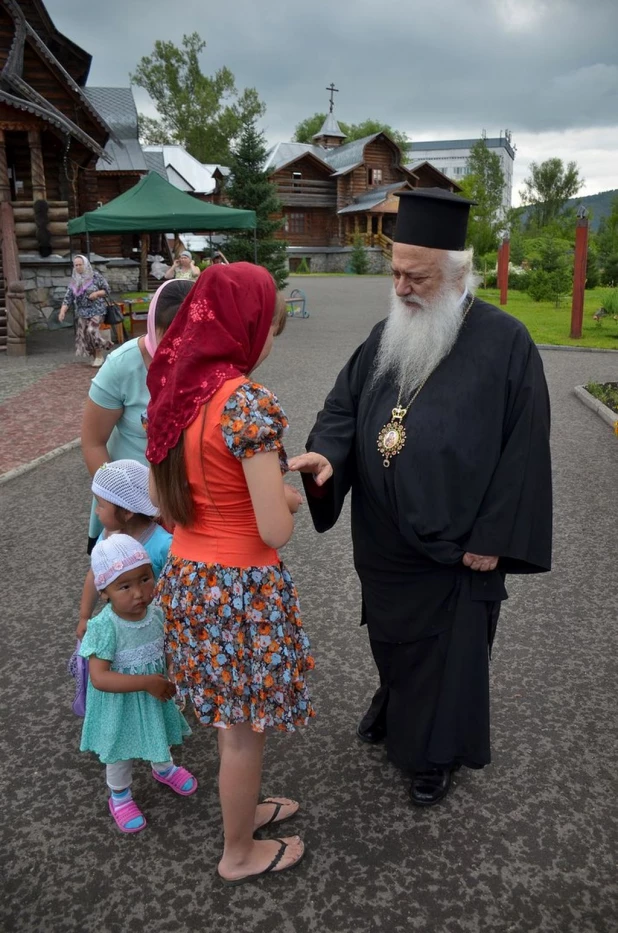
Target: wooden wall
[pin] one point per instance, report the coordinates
(315, 188)
(7, 31)
(45, 79)
(318, 226)
(379, 154)
(104, 187)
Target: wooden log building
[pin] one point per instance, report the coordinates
(332, 191)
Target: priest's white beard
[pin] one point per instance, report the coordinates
(416, 338)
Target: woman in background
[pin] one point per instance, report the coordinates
(85, 296)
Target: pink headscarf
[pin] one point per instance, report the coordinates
(151, 342)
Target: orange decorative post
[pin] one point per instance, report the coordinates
(579, 272)
(504, 254)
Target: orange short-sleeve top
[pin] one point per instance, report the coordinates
(242, 418)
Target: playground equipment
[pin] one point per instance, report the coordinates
(296, 304)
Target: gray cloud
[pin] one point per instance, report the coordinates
(530, 65)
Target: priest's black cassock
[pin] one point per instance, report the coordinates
(474, 475)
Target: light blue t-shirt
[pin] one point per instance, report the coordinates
(121, 383)
(156, 544)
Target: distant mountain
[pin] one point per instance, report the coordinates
(599, 205)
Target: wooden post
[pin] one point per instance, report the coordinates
(5, 184)
(504, 277)
(369, 235)
(355, 225)
(16, 319)
(579, 273)
(37, 167)
(143, 270)
(380, 224)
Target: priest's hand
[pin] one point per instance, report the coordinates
(480, 562)
(313, 463)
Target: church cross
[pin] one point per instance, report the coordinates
(333, 90)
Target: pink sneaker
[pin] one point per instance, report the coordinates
(177, 781)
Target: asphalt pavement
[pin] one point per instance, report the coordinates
(528, 845)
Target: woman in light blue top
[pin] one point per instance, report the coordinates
(118, 396)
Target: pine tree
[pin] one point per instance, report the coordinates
(359, 262)
(249, 188)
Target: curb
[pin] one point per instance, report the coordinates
(595, 405)
(556, 346)
(50, 455)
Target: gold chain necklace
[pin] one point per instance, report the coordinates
(392, 437)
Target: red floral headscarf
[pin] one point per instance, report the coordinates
(218, 334)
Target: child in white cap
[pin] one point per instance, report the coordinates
(123, 504)
(130, 712)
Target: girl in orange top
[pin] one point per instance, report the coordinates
(233, 623)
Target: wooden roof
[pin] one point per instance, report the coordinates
(33, 80)
(76, 61)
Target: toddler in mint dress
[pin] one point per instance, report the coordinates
(130, 711)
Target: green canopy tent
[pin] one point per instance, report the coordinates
(153, 205)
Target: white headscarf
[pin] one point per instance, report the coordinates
(81, 281)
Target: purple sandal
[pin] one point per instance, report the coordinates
(125, 814)
(177, 780)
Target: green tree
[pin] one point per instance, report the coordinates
(484, 184)
(205, 114)
(548, 188)
(249, 188)
(607, 234)
(308, 128)
(593, 276)
(359, 261)
(552, 275)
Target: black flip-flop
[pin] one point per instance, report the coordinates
(273, 818)
(269, 868)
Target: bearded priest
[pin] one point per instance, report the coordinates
(439, 424)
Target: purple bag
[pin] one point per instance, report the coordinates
(78, 668)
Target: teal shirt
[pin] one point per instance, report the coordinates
(121, 383)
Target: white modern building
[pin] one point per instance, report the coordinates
(451, 157)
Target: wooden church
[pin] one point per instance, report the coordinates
(332, 191)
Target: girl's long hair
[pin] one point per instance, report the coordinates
(175, 501)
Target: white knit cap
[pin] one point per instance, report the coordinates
(114, 556)
(124, 483)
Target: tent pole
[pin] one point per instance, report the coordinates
(255, 245)
(143, 272)
(87, 246)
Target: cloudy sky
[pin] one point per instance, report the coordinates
(436, 69)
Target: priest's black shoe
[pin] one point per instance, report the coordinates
(429, 787)
(370, 734)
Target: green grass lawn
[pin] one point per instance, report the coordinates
(548, 324)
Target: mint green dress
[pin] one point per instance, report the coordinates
(123, 726)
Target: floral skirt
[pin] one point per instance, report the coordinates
(88, 338)
(237, 643)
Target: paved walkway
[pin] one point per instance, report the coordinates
(41, 399)
(527, 846)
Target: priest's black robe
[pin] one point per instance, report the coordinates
(474, 475)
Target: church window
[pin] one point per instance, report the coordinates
(297, 223)
(375, 176)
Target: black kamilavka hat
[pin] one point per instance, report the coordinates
(432, 217)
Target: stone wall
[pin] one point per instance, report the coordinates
(337, 259)
(46, 280)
